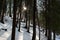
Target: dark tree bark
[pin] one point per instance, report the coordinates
(39, 32)
(26, 4)
(46, 31)
(38, 22)
(28, 26)
(54, 35)
(45, 16)
(26, 19)
(2, 18)
(10, 8)
(1, 3)
(20, 5)
(28, 22)
(14, 20)
(3, 11)
(38, 26)
(19, 23)
(28, 14)
(34, 24)
(48, 20)
(49, 34)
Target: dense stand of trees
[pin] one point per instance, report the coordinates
(48, 18)
(51, 14)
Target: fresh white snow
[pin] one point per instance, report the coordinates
(23, 35)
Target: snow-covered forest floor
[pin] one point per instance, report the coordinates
(23, 35)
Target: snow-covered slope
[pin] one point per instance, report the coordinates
(23, 35)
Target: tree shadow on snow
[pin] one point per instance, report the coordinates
(26, 36)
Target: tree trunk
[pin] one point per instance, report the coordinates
(34, 24)
(38, 22)
(54, 35)
(48, 20)
(20, 5)
(28, 24)
(2, 19)
(26, 19)
(10, 8)
(46, 31)
(3, 6)
(45, 17)
(26, 4)
(38, 26)
(39, 33)
(19, 23)
(1, 3)
(14, 21)
(49, 34)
